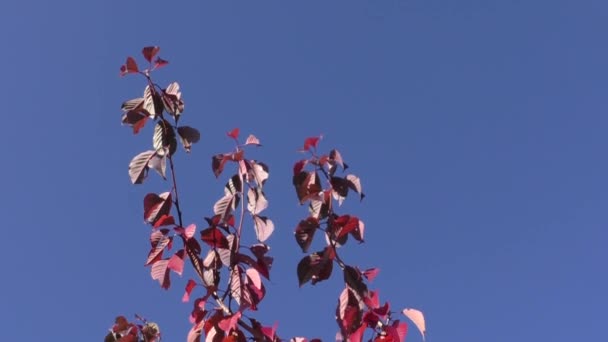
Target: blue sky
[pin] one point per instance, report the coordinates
(477, 128)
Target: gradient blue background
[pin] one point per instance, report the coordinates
(478, 129)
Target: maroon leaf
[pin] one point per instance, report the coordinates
(188, 136)
(307, 185)
(299, 166)
(353, 278)
(348, 312)
(371, 300)
(343, 225)
(164, 220)
(159, 63)
(135, 119)
(160, 272)
(193, 250)
(217, 163)
(316, 267)
(357, 233)
(155, 206)
(138, 167)
(159, 242)
(129, 67)
(270, 332)
(150, 52)
(263, 227)
(252, 140)
(189, 287)
(234, 134)
(339, 186)
(214, 238)
(310, 142)
(305, 232)
(335, 159)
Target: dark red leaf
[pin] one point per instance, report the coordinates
(189, 287)
(371, 300)
(159, 63)
(155, 206)
(353, 278)
(214, 238)
(188, 136)
(164, 220)
(150, 52)
(129, 67)
(159, 242)
(316, 267)
(305, 232)
(299, 166)
(234, 134)
(217, 163)
(307, 185)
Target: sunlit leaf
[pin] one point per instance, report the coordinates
(256, 201)
(252, 140)
(164, 138)
(172, 99)
(225, 205)
(371, 273)
(159, 164)
(138, 166)
(160, 272)
(355, 183)
(176, 262)
(263, 227)
(417, 317)
(149, 105)
(235, 283)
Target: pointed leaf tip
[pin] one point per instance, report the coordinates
(150, 52)
(417, 317)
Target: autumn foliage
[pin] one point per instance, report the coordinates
(231, 276)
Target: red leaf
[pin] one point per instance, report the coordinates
(401, 330)
(371, 273)
(310, 142)
(164, 220)
(234, 134)
(299, 166)
(214, 238)
(217, 163)
(129, 67)
(229, 322)
(159, 242)
(155, 206)
(149, 52)
(371, 300)
(159, 63)
(270, 332)
(176, 262)
(189, 287)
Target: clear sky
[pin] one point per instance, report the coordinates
(478, 129)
